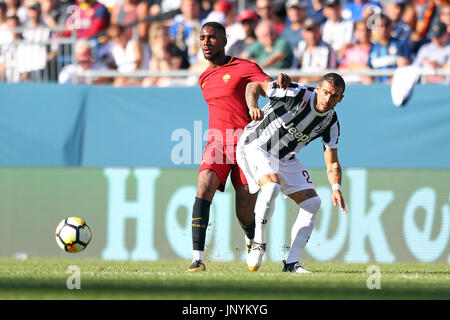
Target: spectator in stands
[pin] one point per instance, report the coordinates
(145, 9)
(50, 13)
(169, 5)
(9, 62)
(228, 8)
(2, 19)
(249, 20)
(400, 29)
(314, 10)
(387, 52)
(235, 31)
(266, 11)
(207, 5)
(129, 55)
(166, 56)
(222, 12)
(313, 53)
(270, 50)
(409, 15)
(34, 23)
(357, 54)
(11, 22)
(186, 28)
(152, 7)
(36, 52)
(296, 14)
(130, 11)
(426, 12)
(435, 54)
(2, 16)
(336, 31)
(124, 14)
(5, 36)
(89, 18)
(54, 12)
(216, 15)
(45, 13)
(84, 61)
(65, 8)
(15, 8)
(356, 10)
(444, 16)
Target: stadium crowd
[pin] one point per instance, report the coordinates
(163, 35)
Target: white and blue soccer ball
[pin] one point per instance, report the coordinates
(73, 234)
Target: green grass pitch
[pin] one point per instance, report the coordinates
(47, 279)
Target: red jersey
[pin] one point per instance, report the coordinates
(223, 88)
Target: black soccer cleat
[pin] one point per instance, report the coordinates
(294, 267)
(196, 265)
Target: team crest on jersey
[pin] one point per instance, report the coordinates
(323, 124)
(226, 78)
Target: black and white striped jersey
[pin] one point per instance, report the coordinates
(291, 122)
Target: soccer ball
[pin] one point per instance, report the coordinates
(73, 234)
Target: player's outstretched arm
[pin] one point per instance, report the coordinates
(252, 93)
(334, 174)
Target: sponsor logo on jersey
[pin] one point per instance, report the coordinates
(300, 136)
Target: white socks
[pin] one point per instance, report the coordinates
(303, 227)
(264, 208)
(198, 255)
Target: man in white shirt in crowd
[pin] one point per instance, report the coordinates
(436, 54)
(313, 53)
(84, 61)
(336, 31)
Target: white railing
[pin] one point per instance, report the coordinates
(91, 74)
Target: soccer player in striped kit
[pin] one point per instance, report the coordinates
(223, 85)
(267, 150)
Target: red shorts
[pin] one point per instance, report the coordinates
(222, 160)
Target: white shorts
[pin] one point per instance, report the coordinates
(256, 163)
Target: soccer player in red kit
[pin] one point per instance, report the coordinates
(223, 85)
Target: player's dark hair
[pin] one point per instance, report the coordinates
(336, 80)
(217, 26)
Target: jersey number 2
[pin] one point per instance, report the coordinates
(306, 174)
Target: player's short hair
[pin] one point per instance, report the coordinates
(217, 26)
(335, 79)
